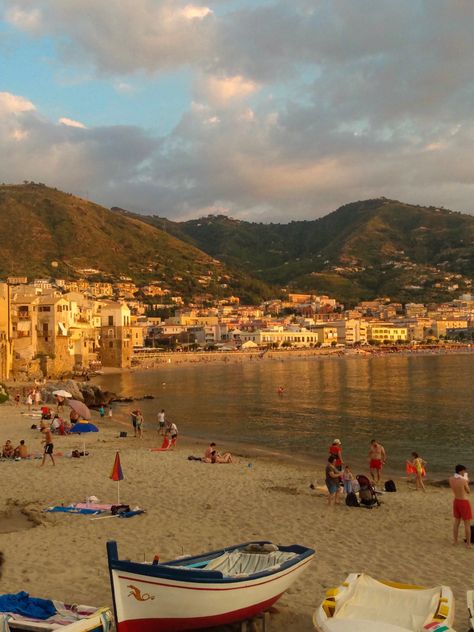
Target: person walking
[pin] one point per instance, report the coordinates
(139, 424)
(48, 445)
(462, 510)
(161, 422)
(377, 459)
(418, 469)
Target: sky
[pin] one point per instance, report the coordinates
(263, 110)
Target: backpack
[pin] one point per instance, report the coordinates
(351, 500)
(390, 486)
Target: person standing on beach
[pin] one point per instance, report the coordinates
(139, 424)
(48, 445)
(462, 509)
(333, 481)
(161, 422)
(336, 449)
(133, 417)
(418, 468)
(172, 429)
(377, 458)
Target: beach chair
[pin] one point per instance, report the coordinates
(367, 494)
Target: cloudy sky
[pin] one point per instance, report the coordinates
(258, 109)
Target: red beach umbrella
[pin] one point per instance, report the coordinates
(117, 474)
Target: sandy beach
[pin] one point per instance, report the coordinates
(192, 507)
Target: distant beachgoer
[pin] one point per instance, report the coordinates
(8, 450)
(133, 417)
(280, 390)
(336, 450)
(139, 424)
(161, 422)
(347, 479)
(59, 403)
(333, 481)
(56, 423)
(21, 451)
(377, 458)
(17, 400)
(173, 432)
(101, 411)
(73, 417)
(48, 445)
(462, 510)
(37, 396)
(211, 455)
(110, 412)
(418, 469)
(29, 400)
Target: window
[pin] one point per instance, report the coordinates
(111, 344)
(111, 320)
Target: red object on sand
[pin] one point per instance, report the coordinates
(117, 474)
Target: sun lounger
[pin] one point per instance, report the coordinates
(470, 607)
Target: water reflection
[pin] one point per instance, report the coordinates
(410, 403)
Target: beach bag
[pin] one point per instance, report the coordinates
(390, 486)
(123, 434)
(118, 509)
(351, 500)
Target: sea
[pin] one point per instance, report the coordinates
(422, 403)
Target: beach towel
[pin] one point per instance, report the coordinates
(164, 446)
(94, 506)
(22, 603)
(72, 509)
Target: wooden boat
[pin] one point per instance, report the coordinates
(67, 619)
(470, 607)
(215, 588)
(364, 604)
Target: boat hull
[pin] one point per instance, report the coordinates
(146, 603)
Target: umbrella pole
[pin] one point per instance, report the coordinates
(118, 492)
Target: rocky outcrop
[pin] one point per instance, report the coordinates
(91, 394)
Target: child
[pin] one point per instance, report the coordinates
(102, 411)
(347, 478)
(418, 465)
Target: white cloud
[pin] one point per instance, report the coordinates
(26, 20)
(13, 104)
(221, 90)
(71, 123)
(192, 12)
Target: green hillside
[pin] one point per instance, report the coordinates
(50, 233)
(362, 250)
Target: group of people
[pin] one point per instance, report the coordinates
(166, 428)
(340, 478)
(20, 452)
(33, 398)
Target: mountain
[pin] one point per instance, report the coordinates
(50, 233)
(360, 251)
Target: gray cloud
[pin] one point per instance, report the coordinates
(301, 106)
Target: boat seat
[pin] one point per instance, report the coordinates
(235, 563)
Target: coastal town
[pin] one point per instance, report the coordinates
(57, 327)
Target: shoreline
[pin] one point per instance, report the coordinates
(206, 357)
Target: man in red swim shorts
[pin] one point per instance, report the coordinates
(462, 510)
(377, 458)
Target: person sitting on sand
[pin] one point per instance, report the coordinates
(211, 455)
(21, 451)
(462, 509)
(8, 450)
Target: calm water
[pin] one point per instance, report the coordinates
(422, 403)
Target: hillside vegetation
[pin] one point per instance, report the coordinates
(50, 233)
(362, 250)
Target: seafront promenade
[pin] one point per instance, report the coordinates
(192, 507)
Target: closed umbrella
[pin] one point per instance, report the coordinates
(80, 408)
(83, 427)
